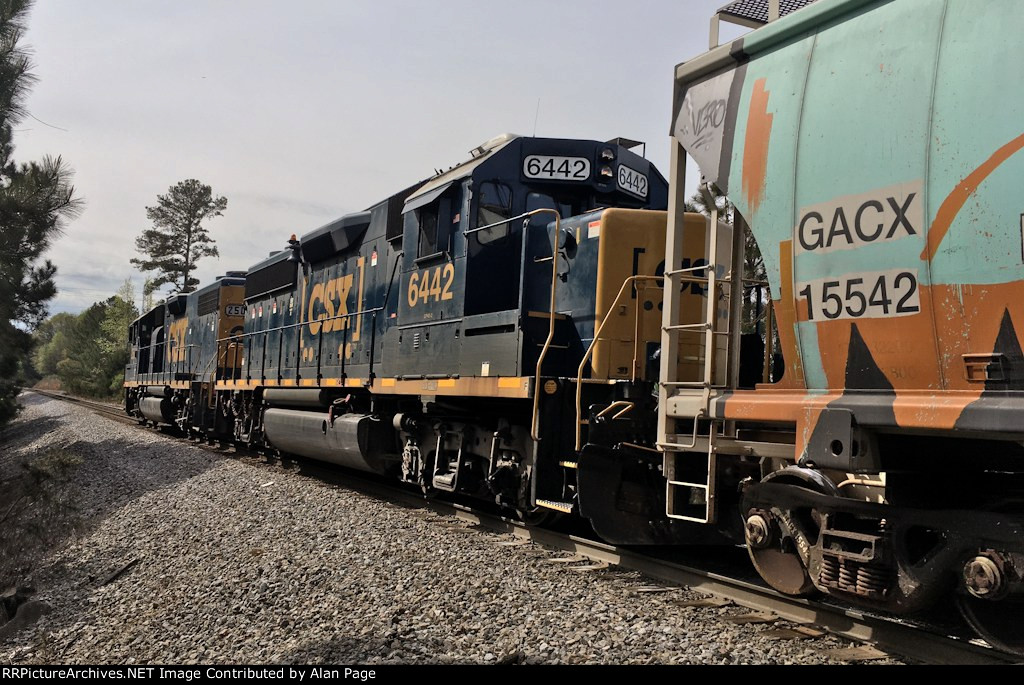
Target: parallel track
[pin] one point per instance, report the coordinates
(913, 642)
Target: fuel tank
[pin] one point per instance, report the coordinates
(356, 441)
(157, 409)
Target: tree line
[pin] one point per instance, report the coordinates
(85, 352)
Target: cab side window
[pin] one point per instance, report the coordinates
(565, 208)
(495, 204)
(437, 221)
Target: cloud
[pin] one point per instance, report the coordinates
(300, 117)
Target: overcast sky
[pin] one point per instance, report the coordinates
(301, 112)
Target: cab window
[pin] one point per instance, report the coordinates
(564, 208)
(437, 221)
(494, 205)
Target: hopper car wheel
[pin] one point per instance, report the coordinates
(773, 537)
(998, 623)
(780, 565)
(984, 600)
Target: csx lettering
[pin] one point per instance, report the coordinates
(850, 222)
(328, 305)
(431, 284)
(687, 286)
(176, 340)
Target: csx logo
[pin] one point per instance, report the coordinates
(328, 305)
(176, 340)
(687, 263)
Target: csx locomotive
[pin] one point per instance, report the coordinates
(409, 339)
(524, 328)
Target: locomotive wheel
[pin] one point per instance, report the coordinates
(996, 622)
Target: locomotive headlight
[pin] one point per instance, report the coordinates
(607, 154)
(606, 172)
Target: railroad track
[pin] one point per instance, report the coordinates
(916, 642)
(109, 410)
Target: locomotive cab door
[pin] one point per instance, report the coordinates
(493, 255)
(426, 341)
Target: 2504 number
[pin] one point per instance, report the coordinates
(427, 285)
(873, 295)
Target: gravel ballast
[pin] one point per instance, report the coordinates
(229, 562)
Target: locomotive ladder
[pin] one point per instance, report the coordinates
(689, 469)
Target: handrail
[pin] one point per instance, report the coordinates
(509, 220)
(241, 337)
(551, 317)
(593, 343)
(373, 320)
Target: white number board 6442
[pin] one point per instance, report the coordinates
(632, 181)
(557, 168)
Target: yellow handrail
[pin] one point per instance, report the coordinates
(590, 350)
(551, 317)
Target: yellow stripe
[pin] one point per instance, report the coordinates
(511, 387)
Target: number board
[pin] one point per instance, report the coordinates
(557, 168)
(234, 310)
(862, 295)
(632, 181)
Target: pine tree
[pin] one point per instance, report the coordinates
(36, 200)
(178, 239)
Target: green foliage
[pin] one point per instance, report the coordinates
(36, 200)
(88, 352)
(121, 311)
(178, 239)
(52, 342)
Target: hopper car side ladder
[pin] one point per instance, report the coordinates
(690, 459)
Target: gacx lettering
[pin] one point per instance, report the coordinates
(851, 222)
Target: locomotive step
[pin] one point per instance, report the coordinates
(445, 481)
(564, 507)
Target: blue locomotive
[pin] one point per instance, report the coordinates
(445, 336)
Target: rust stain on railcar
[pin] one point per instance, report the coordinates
(786, 315)
(755, 148)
